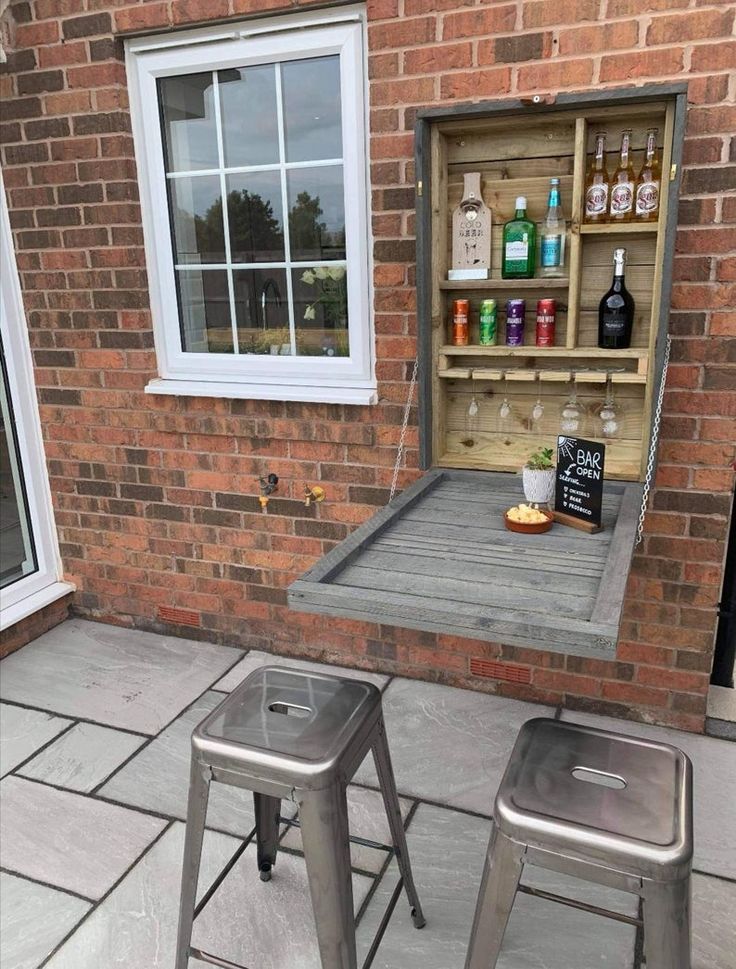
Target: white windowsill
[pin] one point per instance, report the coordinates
(32, 603)
(215, 388)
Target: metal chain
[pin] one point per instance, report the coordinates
(407, 411)
(653, 444)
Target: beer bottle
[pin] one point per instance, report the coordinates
(621, 207)
(647, 185)
(596, 183)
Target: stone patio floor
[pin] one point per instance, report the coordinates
(95, 743)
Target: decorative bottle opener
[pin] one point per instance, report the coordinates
(471, 233)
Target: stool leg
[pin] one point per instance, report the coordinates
(324, 821)
(199, 789)
(667, 924)
(387, 782)
(501, 876)
(268, 810)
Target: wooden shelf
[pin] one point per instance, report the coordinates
(554, 282)
(584, 353)
(619, 228)
(547, 376)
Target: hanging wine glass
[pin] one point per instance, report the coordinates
(538, 406)
(471, 416)
(609, 415)
(505, 410)
(571, 418)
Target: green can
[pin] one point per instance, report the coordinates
(488, 328)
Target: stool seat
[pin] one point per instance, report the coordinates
(288, 725)
(618, 798)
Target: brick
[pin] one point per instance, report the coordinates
(439, 57)
(544, 13)
(88, 26)
(518, 47)
(101, 123)
(598, 38)
(647, 63)
(20, 108)
(188, 11)
(709, 181)
(24, 154)
(47, 128)
(688, 27)
(478, 83)
(550, 75)
(401, 33)
(714, 57)
(475, 23)
(142, 17)
(37, 34)
(59, 55)
(96, 75)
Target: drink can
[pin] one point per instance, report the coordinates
(515, 311)
(546, 314)
(488, 334)
(460, 327)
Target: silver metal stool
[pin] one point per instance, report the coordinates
(604, 807)
(288, 734)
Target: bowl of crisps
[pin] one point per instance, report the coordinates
(528, 520)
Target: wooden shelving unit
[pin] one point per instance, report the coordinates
(517, 159)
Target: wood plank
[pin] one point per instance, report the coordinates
(555, 353)
(578, 189)
(504, 285)
(618, 228)
(616, 574)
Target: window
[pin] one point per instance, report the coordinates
(252, 161)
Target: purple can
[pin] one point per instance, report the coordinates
(515, 311)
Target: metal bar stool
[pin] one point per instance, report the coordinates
(608, 808)
(288, 734)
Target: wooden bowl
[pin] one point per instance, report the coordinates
(529, 529)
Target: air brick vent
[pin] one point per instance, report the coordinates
(500, 671)
(181, 617)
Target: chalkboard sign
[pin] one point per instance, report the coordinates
(579, 479)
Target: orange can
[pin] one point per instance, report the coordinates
(460, 324)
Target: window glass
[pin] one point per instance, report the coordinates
(262, 311)
(188, 109)
(196, 209)
(313, 127)
(316, 213)
(205, 311)
(321, 311)
(250, 131)
(255, 216)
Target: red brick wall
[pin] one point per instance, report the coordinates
(33, 626)
(155, 496)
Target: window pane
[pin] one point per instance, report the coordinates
(249, 117)
(205, 311)
(196, 205)
(17, 554)
(312, 122)
(316, 213)
(321, 311)
(262, 311)
(256, 218)
(188, 107)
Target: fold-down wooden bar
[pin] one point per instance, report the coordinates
(439, 558)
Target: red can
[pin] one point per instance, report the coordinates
(546, 316)
(460, 324)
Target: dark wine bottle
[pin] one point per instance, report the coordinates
(616, 309)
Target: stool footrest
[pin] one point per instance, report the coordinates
(214, 960)
(584, 906)
(353, 838)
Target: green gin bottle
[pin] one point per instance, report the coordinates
(519, 245)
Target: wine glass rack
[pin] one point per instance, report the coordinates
(517, 155)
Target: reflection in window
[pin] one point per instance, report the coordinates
(255, 217)
(273, 291)
(188, 108)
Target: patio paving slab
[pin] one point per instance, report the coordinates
(447, 851)
(256, 658)
(33, 920)
(23, 731)
(265, 925)
(447, 744)
(114, 676)
(714, 781)
(367, 819)
(714, 923)
(157, 779)
(66, 840)
(135, 926)
(83, 757)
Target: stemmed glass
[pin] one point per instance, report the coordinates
(571, 419)
(471, 416)
(609, 416)
(505, 410)
(538, 407)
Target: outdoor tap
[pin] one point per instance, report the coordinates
(315, 493)
(268, 486)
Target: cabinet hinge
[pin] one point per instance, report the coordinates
(673, 171)
(419, 187)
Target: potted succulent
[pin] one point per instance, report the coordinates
(538, 476)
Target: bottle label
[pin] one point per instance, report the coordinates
(551, 251)
(614, 323)
(622, 198)
(647, 198)
(596, 199)
(514, 332)
(517, 251)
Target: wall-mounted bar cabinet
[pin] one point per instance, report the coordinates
(439, 557)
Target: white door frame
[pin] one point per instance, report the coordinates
(36, 590)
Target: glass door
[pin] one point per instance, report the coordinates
(30, 568)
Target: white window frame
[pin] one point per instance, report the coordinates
(335, 379)
(43, 586)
